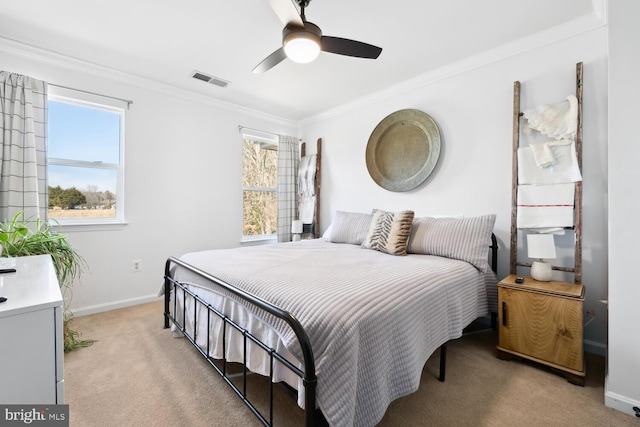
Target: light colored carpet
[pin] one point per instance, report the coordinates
(137, 374)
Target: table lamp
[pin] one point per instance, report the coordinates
(541, 247)
(296, 229)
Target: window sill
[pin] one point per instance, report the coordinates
(258, 240)
(87, 226)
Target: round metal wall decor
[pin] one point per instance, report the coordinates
(403, 150)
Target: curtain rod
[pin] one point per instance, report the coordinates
(128, 101)
(240, 127)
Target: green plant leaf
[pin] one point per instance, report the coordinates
(18, 239)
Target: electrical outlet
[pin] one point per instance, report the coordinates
(136, 265)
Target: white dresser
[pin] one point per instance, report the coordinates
(31, 336)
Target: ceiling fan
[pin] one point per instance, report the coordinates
(302, 40)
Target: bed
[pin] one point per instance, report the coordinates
(348, 327)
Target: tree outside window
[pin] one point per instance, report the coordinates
(259, 179)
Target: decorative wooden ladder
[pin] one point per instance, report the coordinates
(316, 216)
(517, 114)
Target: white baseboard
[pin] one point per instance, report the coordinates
(621, 403)
(99, 308)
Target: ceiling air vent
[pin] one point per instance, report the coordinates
(209, 79)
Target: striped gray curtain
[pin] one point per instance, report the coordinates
(288, 161)
(23, 147)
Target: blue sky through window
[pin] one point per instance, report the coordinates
(81, 133)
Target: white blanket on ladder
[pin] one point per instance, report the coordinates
(564, 169)
(306, 189)
(544, 206)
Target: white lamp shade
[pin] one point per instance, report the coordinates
(541, 246)
(302, 49)
(296, 226)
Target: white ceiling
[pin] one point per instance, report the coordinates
(165, 41)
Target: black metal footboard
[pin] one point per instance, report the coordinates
(308, 375)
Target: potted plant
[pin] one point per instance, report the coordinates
(18, 239)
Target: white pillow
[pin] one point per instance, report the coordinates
(327, 233)
(465, 239)
(350, 227)
(458, 215)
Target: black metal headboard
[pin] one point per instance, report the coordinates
(494, 253)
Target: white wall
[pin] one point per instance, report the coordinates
(473, 109)
(622, 389)
(183, 168)
(183, 159)
(183, 178)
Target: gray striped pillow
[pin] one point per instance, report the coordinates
(389, 232)
(349, 227)
(465, 239)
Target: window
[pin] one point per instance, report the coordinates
(85, 158)
(259, 178)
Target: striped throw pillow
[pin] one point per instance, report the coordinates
(349, 227)
(389, 232)
(465, 239)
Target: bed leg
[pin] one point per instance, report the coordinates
(166, 308)
(310, 416)
(494, 321)
(167, 294)
(443, 361)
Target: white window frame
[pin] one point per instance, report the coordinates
(268, 138)
(116, 106)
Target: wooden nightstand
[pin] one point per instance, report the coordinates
(543, 322)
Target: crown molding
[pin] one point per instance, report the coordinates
(600, 8)
(44, 56)
(583, 24)
(596, 19)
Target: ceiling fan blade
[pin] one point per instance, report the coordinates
(287, 11)
(270, 61)
(350, 47)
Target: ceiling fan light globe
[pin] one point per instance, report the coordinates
(302, 49)
(302, 44)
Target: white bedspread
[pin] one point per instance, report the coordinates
(373, 319)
